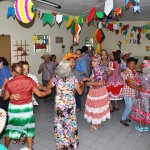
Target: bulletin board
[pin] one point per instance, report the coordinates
(5, 47)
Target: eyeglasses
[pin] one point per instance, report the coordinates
(95, 61)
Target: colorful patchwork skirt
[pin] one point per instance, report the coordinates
(141, 108)
(20, 121)
(97, 105)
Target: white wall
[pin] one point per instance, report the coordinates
(111, 40)
(18, 32)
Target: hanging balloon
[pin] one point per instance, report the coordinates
(24, 10)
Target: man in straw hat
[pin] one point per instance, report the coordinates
(47, 69)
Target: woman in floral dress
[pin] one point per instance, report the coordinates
(65, 123)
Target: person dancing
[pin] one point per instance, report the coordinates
(20, 112)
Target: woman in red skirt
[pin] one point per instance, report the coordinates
(97, 102)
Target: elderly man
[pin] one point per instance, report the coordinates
(47, 69)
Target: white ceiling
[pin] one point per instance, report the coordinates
(77, 7)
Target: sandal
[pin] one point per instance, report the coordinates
(115, 108)
(93, 127)
(78, 109)
(15, 141)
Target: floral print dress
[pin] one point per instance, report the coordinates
(65, 123)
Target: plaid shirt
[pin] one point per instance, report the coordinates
(128, 91)
(48, 71)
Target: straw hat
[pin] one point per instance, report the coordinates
(125, 53)
(69, 55)
(3, 118)
(45, 56)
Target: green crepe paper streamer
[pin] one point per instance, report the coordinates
(73, 29)
(125, 33)
(147, 27)
(134, 28)
(48, 18)
(80, 20)
(120, 24)
(99, 14)
(65, 18)
(123, 9)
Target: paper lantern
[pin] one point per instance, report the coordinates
(24, 10)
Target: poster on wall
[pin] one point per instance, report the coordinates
(41, 43)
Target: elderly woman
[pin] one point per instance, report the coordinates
(97, 102)
(65, 124)
(141, 107)
(20, 112)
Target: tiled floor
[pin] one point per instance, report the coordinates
(110, 136)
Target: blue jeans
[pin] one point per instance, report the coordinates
(78, 100)
(129, 101)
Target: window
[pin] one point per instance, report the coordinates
(88, 41)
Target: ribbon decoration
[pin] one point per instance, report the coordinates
(100, 14)
(137, 1)
(110, 27)
(77, 32)
(65, 18)
(123, 9)
(59, 19)
(117, 32)
(118, 11)
(136, 9)
(11, 12)
(91, 14)
(80, 20)
(69, 22)
(134, 28)
(108, 7)
(48, 18)
(127, 3)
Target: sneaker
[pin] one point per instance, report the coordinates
(139, 129)
(146, 129)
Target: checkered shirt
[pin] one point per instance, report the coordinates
(128, 91)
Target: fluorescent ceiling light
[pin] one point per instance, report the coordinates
(49, 3)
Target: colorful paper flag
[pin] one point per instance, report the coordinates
(108, 7)
(48, 18)
(11, 12)
(91, 14)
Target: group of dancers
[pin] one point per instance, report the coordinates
(105, 78)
